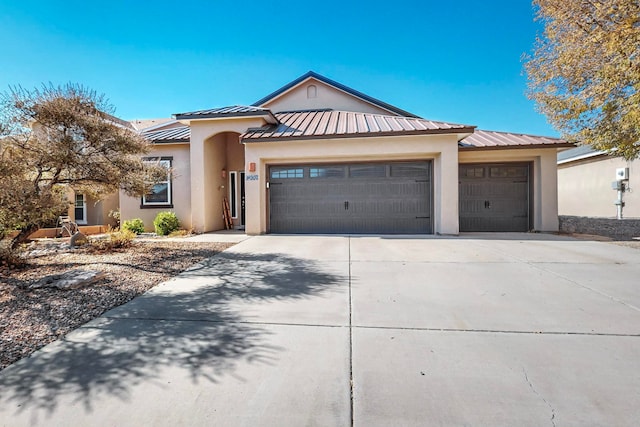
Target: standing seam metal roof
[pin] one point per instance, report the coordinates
(180, 134)
(343, 124)
(232, 111)
(484, 139)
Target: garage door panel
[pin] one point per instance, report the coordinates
(360, 198)
(494, 197)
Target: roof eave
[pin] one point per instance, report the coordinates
(456, 131)
(557, 146)
(170, 141)
(190, 117)
(583, 157)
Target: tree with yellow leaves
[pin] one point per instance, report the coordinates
(584, 73)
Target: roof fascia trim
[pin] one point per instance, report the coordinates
(358, 135)
(267, 113)
(170, 141)
(583, 157)
(514, 147)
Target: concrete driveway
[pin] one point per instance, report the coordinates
(495, 330)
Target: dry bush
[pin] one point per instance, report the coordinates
(10, 259)
(181, 233)
(115, 240)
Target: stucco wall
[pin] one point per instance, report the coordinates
(584, 188)
(545, 196)
(181, 193)
(442, 149)
(98, 210)
(298, 98)
(234, 153)
(214, 146)
(215, 154)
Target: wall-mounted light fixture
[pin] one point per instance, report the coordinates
(252, 167)
(224, 173)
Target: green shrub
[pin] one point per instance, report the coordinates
(165, 223)
(134, 225)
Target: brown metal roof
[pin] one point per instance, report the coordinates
(224, 112)
(346, 124)
(164, 136)
(487, 140)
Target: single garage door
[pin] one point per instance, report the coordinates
(363, 198)
(495, 197)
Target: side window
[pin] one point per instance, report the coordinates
(367, 171)
(287, 173)
(160, 195)
(471, 172)
(326, 172)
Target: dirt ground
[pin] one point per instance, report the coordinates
(33, 317)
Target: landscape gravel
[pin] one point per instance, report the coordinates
(30, 318)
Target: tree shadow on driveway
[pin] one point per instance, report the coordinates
(189, 323)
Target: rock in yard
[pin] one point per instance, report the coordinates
(73, 279)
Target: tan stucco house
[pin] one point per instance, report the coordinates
(585, 178)
(316, 156)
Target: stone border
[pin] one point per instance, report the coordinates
(623, 229)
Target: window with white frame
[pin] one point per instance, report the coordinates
(160, 195)
(80, 209)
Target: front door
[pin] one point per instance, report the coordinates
(236, 198)
(242, 214)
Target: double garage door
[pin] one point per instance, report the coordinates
(360, 198)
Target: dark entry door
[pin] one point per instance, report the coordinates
(242, 211)
(360, 198)
(495, 197)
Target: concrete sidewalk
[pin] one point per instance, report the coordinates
(369, 331)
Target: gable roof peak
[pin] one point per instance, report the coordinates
(312, 74)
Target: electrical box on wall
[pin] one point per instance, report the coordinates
(622, 174)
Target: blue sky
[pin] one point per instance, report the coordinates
(457, 61)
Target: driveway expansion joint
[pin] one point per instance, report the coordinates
(498, 331)
(350, 338)
(351, 327)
